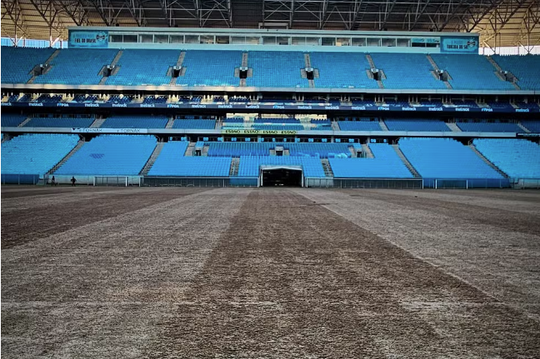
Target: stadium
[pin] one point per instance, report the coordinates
(270, 179)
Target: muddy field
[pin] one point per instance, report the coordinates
(269, 273)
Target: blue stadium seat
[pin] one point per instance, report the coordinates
(445, 158)
(416, 125)
(171, 162)
(484, 126)
(276, 69)
(35, 153)
(12, 119)
(18, 62)
(78, 122)
(194, 124)
(341, 70)
(77, 67)
(135, 122)
(517, 158)
(210, 68)
(110, 155)
(525, 68)
(385, 164)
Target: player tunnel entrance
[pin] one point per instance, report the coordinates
(280, 176)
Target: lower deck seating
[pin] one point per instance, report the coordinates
(446, 159)
(135, 122)
(517, 158)
(35, 153)
(415, 125)
(12, 119)
(78, 122)
(110, 155)
(489, 127)
(385, 164)
(171, 162)
(250, 165)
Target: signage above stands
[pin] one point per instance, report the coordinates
(88, 39)
(459, 45)
(271, 106)
(258, 132)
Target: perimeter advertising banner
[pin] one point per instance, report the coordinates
(258, 132)
(459, 45)
(88, 39)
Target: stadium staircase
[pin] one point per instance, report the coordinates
(170, 123)
(219, 123)
(453, 126)
(97, 122)
(525, 129)
(372, 65)
(488, 162)
(64, 160)
(48, 61)
(112, 64)
(500, 70)
(352, 151)
(235, 165)
(404, 159)
(179, 63)
(367, 151)
(383, 125)
(307, 62)
(327, 168)
(205, 150)
(22, 124)
(245, 55)
(153, 157)
(436, 68)
(335, 126)
(190, 149)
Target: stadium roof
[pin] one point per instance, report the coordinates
(500, 22)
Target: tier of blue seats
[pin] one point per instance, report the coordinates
(471, 72)
(415, 125)
(12, 119)
(194, 124)
(250, 165)
(110, 155)
(406, 71)
(517, 158)
(359, 126)
(321, 125)
(77, 67)
(135, 121)
(35, 154)
(155, 100)
(533, 126)
(171, 162)
(276, 69)
(525, 68)
(78, 122)
(303, 149)
(385, 164)
(276, 120)
(445, 158)
(144, 67)
(18, 62)
(341, 70)
(489, 127)
(210, 68)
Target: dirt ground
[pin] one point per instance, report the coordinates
(269, 273)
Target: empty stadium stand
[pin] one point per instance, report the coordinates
(342, 70)
(60, 122)
(276, 69)
(12, 120)
(518, 158)
(77, 67)
(194, 124)
(171, 162)
(525, 68)
(445, 158)
(144, 67)
(210, 68)
(35, 153)
(533, 126)
(385, 164)
(472, 72)
(18, 62)
(110, 155)
(359, 126)
(407, 71)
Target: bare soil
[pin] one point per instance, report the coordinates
(273, 273)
